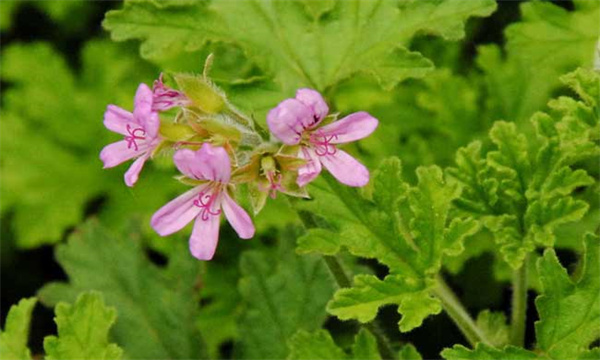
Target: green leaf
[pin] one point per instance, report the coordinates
(405, 228)
(368, 294)
(569, 309)
(319, 240)
(320, 345)
(355, 37)
(365, 346)
(52, 183)
(280, 298)
(14, 337)
(494, 327)
(444, 18)
(83, 330)
(409, 352)
(157, 307)
(521, 82)
(486, 352)
(522, 190)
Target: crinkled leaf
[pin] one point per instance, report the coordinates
(523, 189)
(83, 330)
(157, 308)
(15, 335)
(405, 228)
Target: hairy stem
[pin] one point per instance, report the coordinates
(453, 307)
(519, 306)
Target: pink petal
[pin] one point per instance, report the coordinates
(309, 171)
(143, 113)
(213, 163)
(117, 119)
(351, 128)
(165, 98)
(132, 174)
(119, 152)
(237, 217)
(346, 169)
(288, 120)
(142, 106)
(314, 101)
(177, 213)
(205, 237)
(188, 162)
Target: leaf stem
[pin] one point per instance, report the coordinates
(458, 313)
(519, 306)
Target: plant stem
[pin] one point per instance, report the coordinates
(519, 306)
(458, 313)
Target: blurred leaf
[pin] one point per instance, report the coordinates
(83, 330)
(52, 133)
(547, 42)
(486, 352)
(157, 307)
(494, 327)
(7, 11)
(409, 352)
(14, 337)
(281, 298)
(320, 345)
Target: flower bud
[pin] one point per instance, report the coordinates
(203, 94)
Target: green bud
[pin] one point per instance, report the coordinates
(267, 164)
(203, 94)
(176, 132)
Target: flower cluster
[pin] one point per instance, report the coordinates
(217, 149)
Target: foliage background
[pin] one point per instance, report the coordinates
(59, 70)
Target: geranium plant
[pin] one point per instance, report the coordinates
(412, 179)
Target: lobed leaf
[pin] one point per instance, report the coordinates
(83, 330)
(157, 307)
(14, 337)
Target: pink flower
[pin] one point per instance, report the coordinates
(212, 167)
(295, 121)
(140, 129)
(166, 98)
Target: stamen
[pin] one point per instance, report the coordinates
(133, 136)
(322, 144)
(274, 184)
(205, 201)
